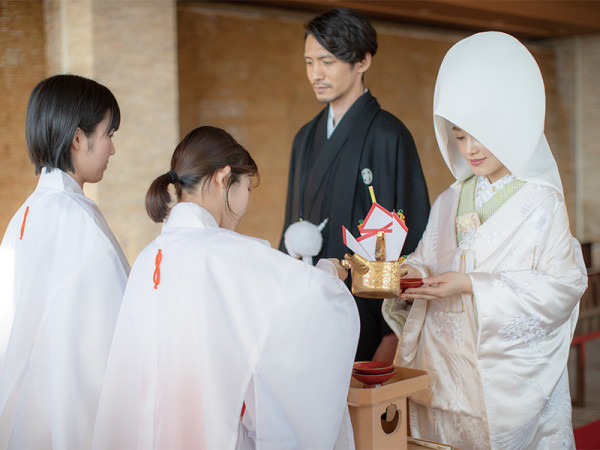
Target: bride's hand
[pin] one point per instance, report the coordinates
(440, 286)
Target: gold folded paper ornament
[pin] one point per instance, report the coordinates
(375, 279)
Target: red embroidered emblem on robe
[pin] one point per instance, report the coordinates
(156, 276)
(23, 224)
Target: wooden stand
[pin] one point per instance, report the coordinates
(375, 424)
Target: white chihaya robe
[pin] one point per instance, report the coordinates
(497, 359)
(62, 278)
(230, 320)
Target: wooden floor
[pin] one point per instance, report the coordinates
(590, 412)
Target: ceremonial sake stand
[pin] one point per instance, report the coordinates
(379, 414)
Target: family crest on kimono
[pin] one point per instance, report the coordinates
(502, 273)
(62, 273)
(223, 342)
(350, 145)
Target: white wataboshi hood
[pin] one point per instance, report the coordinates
(490, 86)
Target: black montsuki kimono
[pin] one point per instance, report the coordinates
(329, 178)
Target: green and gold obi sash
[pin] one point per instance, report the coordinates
(467, 218)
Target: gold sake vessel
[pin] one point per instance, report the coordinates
(375, 279)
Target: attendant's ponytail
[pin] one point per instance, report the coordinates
(158, 198)
(195, 161)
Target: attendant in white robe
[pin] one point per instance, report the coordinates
(503, 275)
(223, 342)
(62, 273)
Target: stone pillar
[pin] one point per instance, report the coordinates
(130, 46)
(588, 135)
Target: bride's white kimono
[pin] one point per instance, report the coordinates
(212, 320)
(497, 359)
(62, 278)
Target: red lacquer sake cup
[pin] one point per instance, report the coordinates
(406, 283)
(375, 379)
(372, 367)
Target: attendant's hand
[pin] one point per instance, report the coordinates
(341, 272)
(440, 286)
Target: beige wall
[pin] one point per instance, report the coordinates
(128, 45)
(241, 68)
(578, 66)
(22, 65)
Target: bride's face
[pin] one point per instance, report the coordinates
(481, 161)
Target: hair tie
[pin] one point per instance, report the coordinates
(173, 176)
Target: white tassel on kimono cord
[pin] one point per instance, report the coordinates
(303, 239)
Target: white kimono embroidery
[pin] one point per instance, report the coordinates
(61, 286)
(230, 321)
(497, 359)
(500, 361)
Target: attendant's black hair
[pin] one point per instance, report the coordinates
(345, 33)
(57, 107)
(197, 158)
